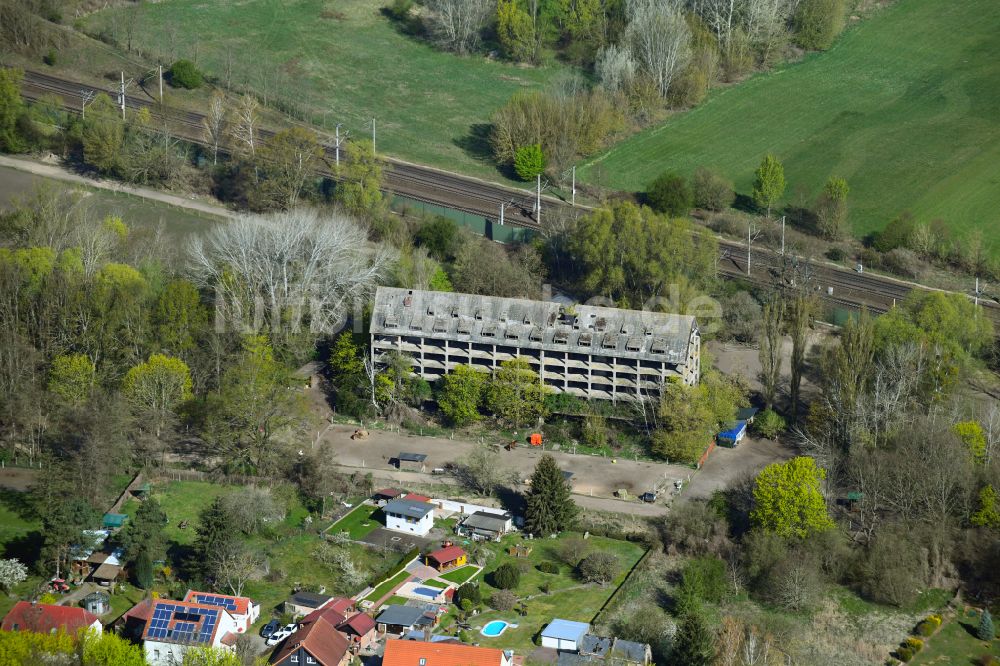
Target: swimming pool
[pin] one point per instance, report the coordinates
(494, 628)
(428, 592)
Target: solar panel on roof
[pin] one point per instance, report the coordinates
(215, 600)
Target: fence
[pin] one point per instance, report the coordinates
(614, 595)
(484, 226)
(213, 477)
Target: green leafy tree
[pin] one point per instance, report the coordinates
(157, 387)
(11, 109)
(600, 567)
(109, 649)
(345, 362)
(183, 74)
(694, 644)
(461, 394)
(515, 394)
(211, 656)
(769, 183)
(103, 135)
(769, 424)
(506, 577)
(670, 194)
(144, 532)
(64, 520)
(516, 31)
(179, 317)
(987, 515)
(690, 416)
(985, 631)
(71, 377)
(529, 161)
(831, 208)
(788, 499)
(360, 191)
(550, 506)
(972, 435)
(710, 190)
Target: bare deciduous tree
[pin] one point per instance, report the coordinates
(659, 39)
(216, 123)
(252, 508)
(456, 24)
(234, 565)
(614, 67)
(275, 267)
(770, 349)
(244, 126)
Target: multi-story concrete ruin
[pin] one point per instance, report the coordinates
(584, 350)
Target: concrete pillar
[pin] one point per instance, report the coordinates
(566, 371)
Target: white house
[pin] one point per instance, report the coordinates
(244, 611)
(409, 516)
(564, 635)
(174, 627)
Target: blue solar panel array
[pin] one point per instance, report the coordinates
(191, 625)
(214, 600)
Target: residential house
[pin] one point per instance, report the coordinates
(442, 653)
(304, 602)
(176, 626)
(133, 622)
(360, 631)
(243, 609)
(448, 557)
(486, 526)
(317, 642)
(405, 515)
(49, 619)
(564, 635)
(399, 620)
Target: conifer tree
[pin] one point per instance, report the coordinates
(550, 506)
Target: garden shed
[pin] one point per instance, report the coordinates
(733, 434)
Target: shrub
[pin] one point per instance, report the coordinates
(548, 567)
(924, 628)
(936, 619)
(985, 631)
(904, 654)
(503, 600)
(183, 74)
(50, 58)
(710, 190)
(914, 644)
(506, 577)
(468, 591)
(836, 254)
(670, 194)
(818, 22)
(769, 424)
(529, 161)
(600, 567)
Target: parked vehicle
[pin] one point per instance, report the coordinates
(282, 634)
(648, 497)
(268, 629)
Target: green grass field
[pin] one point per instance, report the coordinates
(359, 523)
(341, 62)
(955, 643)
(384, 588)
(460, 575)
(904, 106)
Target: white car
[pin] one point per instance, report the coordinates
(282, 634)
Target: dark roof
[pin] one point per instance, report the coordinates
(408, 508)
(411, 457)
(596, 645)
(309, 599)
(573, 659)
(481, 520)
(387, 492)
(746, 413)
(630, 650)
(403, 616)
(46, 618)
(320, 639)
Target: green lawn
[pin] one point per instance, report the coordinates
(359, 523)
(342, 62)
(459, 575)
(904, 107)
(955, 643)
(183, 500)
(384, 588)
(435, 583)
(568, 598)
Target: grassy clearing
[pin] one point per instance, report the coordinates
(956, 643)
(460, 575)
(903, 107)
(385, 587)
(436, 584)
(342, 62)
(359, 523)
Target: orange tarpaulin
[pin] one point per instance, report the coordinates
(536, 439)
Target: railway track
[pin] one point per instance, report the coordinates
(835, 285)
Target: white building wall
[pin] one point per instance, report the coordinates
(418, 527)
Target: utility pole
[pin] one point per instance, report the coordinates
(573, 190)
(977, 294)
(782, 235)
(86, 97)
(502, 206)
(160, 67)
(749, 225)
(538, 198)
(337, 145)
(121, 96)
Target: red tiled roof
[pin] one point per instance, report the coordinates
(447, 554)
(140, 611)
(340, 604)
(242, 603)
(331, 616)
(388, 492)
(360, 624)
(408, 653)
(45, 618)
(229, 639)
(326, 645)
(417, 498)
